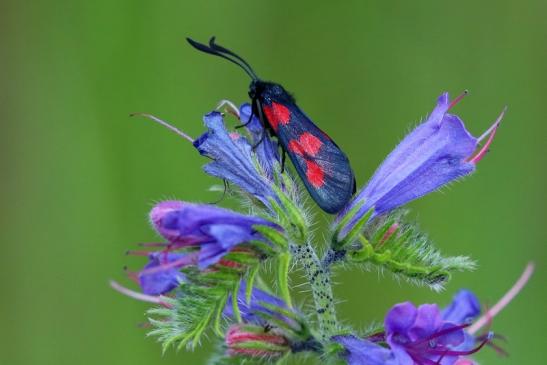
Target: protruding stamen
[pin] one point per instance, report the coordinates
(152, 244)
(506, 299)
(136, 295)
(457, 99)
(132, 275)
(229, 107)
(444, 353)
(492, 131)
(165, 124)
(441, 333)
(188, 259)
(138, 252)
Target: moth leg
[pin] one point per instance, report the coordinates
(226, 186)
(256, 106)
(229, 107)
(262, 136)
(283, 157)
(247, 122)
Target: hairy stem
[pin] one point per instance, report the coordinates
(319, 279)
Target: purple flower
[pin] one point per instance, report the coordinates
(464, 308)
(437, 152)
(266, 149)
(162, 272)
(426, 336)
(261, 306)
(232, 157)
(215, 230)
(362, 352)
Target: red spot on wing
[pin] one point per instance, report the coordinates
(310, 143)
(315, 174)
(277, 114)
(296, 147)
(307, 144)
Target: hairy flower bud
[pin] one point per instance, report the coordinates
(256, 342)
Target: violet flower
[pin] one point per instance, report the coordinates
(435, 153)
(358, 351)
(424, 335)
(262, 307)
(232, 156)
(216, 231)
(162, 272)
(265, 148)
(250, 311)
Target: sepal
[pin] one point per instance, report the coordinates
(389, 243)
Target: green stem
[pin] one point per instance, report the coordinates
(319, 279)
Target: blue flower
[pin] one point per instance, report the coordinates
(232, 156)
(464, 308)
(358, 351)
(260, 306)
(162, 272)
(425, 335)
(437, 152)
(216, 231)
(265, 149)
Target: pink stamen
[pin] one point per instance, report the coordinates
(457, 100)
(153, 244)
(136, 295)
(444, 353)
(138, 252)
(133, 276)
(440, 334)
(188, 259)
(506, 299)
(492, 131)
(165, 124)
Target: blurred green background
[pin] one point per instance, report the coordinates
(79, 175)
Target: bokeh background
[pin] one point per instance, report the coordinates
(79, 175)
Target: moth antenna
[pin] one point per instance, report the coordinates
(219, 48)
(222, 52)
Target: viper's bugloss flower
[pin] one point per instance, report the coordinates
(265, 148)
(262, 308)
(464, 308)
(162, 272)
(435, 153)
(255, 341)
(216, 231)
(424, 335)
(232, 156)
(358, 351)
(255, 304)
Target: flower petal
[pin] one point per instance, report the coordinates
(400, 318)
(363, 352)
(464, 307)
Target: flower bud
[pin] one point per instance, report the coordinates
(255, 341)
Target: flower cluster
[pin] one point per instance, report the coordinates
(210, 273)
